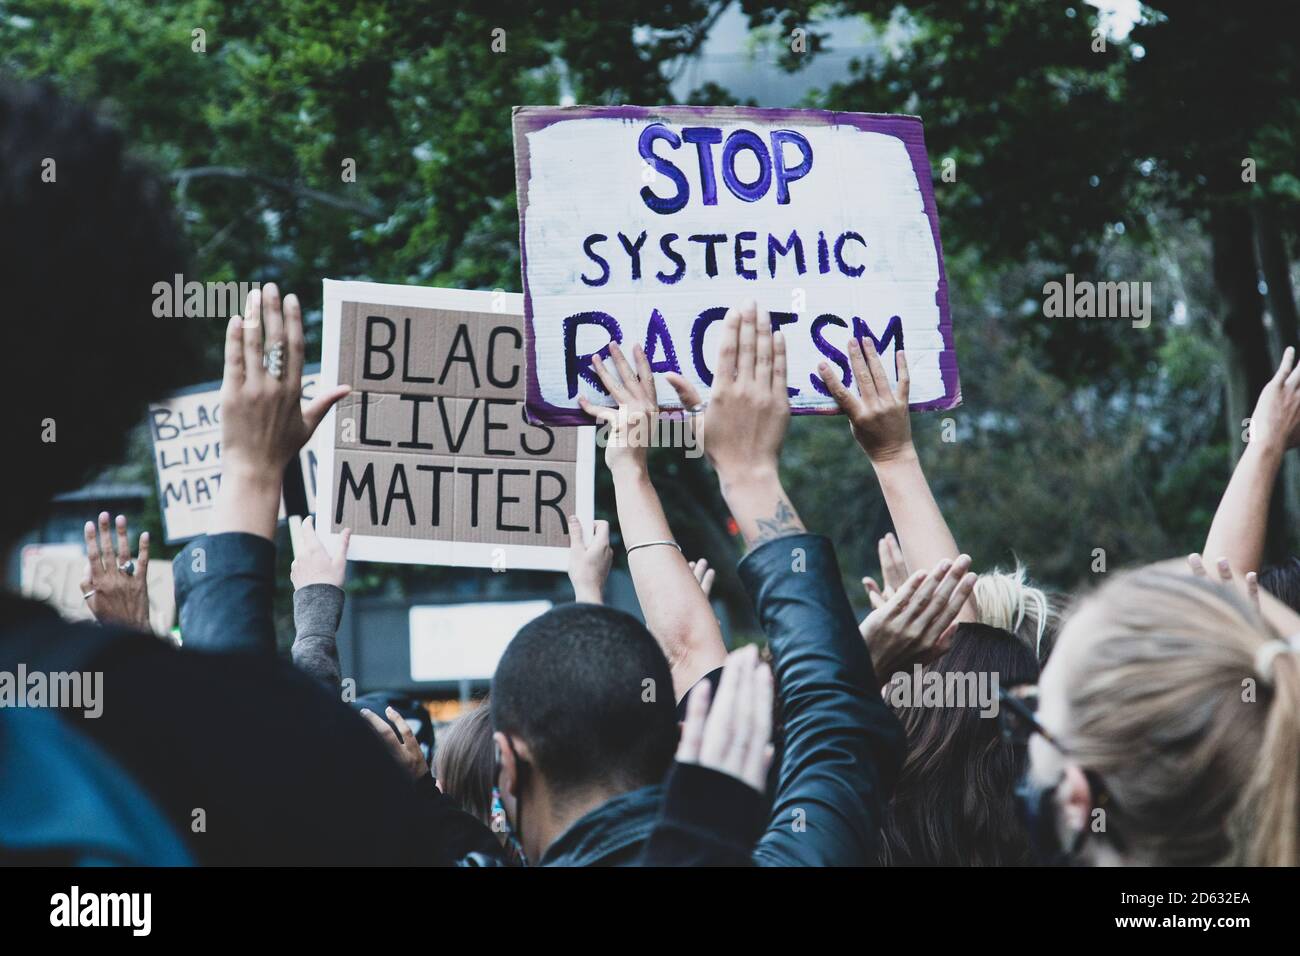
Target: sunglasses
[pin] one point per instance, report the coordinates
(1018, 721)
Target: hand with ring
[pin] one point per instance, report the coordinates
(116, 588)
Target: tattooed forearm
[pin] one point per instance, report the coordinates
(783, 523)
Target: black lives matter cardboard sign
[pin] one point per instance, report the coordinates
(185, 430)
(431, 459)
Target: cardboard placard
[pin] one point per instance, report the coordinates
(185, 430)
(644, 224)
(430, 459)
(52, 573)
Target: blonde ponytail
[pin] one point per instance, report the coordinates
(1273, 798)
(1186, 703)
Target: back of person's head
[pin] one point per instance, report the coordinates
(1007, 600)
(1283, 582)
(590, 692)
(1183, 703)
(955, 800)
(464, 762)
(86, 233)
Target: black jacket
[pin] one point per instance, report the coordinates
(613, 834)
(250, 761)
(842, 748)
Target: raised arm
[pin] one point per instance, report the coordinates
(841, 748)
(225, 579)
(882, 425)
(677, 612)
(318, 600)
(1241, 523)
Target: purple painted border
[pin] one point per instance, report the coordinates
(530, 119)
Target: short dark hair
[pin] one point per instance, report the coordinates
(591, 693)
(1283, 582)
(86, 233)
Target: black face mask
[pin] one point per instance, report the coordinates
(1036, 807)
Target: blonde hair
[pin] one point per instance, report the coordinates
(1007, 600)
(1184, 706)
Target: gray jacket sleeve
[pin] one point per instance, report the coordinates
(317, 611)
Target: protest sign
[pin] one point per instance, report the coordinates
(186, 433)
(430, 459)
(52, 573)
(644, 224)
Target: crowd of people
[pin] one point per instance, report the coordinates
(968, 719)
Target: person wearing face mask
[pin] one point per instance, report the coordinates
(1167, 728)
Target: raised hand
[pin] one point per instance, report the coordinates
(879, 416)
(589, 560)
(313, 564)
(631, 425)
(734, 736)
(704, 574)
(893, 572)
(744, 425)
(115, 587)
(402, 744)
(263, 423)
(1275, 422)
(914, 625)
(1249, 583)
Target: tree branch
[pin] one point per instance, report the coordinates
(369, 210)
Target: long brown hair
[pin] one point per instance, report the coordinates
(955, 800)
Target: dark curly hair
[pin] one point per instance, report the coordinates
(955, 800)
(85, 233)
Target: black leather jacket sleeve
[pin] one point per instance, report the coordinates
(842, 748)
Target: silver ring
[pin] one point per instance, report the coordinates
(273, 360)
(697, 409)
(127, 567)
(89, 594)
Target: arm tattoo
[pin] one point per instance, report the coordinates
(782, 524)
